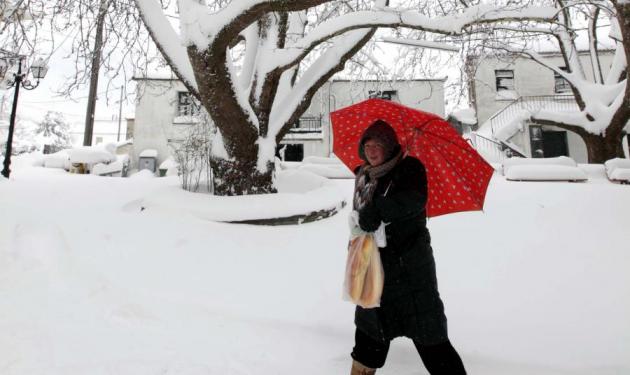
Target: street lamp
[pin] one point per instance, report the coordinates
(38, 70)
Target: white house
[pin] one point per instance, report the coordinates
(164, 112)
(504, 89)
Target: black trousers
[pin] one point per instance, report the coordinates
(440, 359)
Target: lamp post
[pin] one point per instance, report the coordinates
(38, 69)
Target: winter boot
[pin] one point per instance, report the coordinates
(359, 369)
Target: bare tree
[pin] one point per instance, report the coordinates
(255, 65)
(101, 37)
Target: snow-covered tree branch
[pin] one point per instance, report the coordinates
(255, 65)
(602, 96)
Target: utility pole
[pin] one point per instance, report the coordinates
(119, 113)
(96, 67)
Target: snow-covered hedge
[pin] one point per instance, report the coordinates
(560, 160)
(545, 172)
(618, 169)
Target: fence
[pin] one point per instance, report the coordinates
(311, 124)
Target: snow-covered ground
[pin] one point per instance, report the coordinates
(539, 283)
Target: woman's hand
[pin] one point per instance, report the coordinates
(369, 218)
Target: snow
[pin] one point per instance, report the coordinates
(465, 116)
(329, 171)
(299, 192)
(90, 155)
(143, 174)
(544, 173)
(560, 160)
(148, 153)
(169, 163)
(333, 160)
(422, 43)
(117, 166)
(92, 284)
(620, 174)
(60, 159)
(615, 163)
(515, 124)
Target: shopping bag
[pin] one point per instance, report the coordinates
(363, 283)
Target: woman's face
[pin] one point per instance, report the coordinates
(374, 152)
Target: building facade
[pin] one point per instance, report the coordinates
(165, 111)
(503, 90)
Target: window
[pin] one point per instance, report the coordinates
(561, 85)
(187, 105)
(387, 94)
(504, 80)
(291, 152)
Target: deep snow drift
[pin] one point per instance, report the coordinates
(90, 284)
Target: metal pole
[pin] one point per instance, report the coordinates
(119, 113)
(7, 156)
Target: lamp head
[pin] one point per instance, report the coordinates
(39, 68)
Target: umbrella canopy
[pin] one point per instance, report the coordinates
(457, 175)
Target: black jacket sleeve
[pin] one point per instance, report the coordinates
(407, 195)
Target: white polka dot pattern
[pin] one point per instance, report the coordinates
(457, 175)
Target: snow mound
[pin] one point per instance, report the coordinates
(91, 155)
(299, 193)
(560, 160)
(466, 116)
(328, 170)
(60, 159)
(545, 173)
(115, 167)
(321, 160)
(615, 163)
(143, 174)
(620, 174)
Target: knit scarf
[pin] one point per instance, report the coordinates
(367, 179)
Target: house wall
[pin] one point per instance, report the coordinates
(530, 79)
(153, 126)
(156, 109)
(426, 95)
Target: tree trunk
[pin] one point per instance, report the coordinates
(235, 177)
(602, 148)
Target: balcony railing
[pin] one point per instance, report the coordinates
(308, 124)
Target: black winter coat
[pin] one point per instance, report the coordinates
(410, 304)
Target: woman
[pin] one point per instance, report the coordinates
(392, 188)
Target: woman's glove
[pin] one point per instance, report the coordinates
(369, 218)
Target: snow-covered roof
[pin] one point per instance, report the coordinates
(149, 153)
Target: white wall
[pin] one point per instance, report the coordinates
(425, 95)
(155, 110)
(530, 78)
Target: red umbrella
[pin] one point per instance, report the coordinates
(457, 175)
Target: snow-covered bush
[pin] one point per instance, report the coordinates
(53, 132)
(192, 154)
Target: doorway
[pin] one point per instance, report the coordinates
(555, 143)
